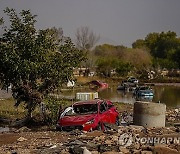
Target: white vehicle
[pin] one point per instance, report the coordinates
(132, 80)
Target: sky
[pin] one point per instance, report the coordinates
(118, 22)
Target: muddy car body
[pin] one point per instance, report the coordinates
(88, 115)
(133, 80)
(98, 85)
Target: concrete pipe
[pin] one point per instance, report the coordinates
(149, 114)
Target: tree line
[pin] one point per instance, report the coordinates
(156, 52)
(164, 48)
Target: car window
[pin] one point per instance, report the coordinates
(67, 112)
(70, 112)
(110, 106)
(103, 107)
(85, 109)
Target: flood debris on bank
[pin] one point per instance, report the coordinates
(79, 142)
(115, 139)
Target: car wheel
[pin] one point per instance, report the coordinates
(117, 121)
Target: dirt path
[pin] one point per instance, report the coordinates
(28, 142)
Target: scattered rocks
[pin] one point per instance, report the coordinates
(109, 126)
(76, 132)
(95, 142)
(21, 139)
(86, 151)
(146, 152)
(76, 142)
(163, 149)
(94, 152)
(23, 129)
(76, 150)
(13, 152)
(111, 152)
(124, 150)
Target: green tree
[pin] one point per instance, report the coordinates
(104, 66)
(34, 62)
(151, 42)
(107, 64)
(140, 43)
(122, 68)
(121, 59)
(109, 50)
(176, 57)
(164, 63)
(163, 47)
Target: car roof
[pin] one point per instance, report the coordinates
(95, 101)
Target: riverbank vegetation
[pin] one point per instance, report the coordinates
(8, 111)
(10, 115)
(146, 59)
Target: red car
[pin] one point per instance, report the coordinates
(88, 115)
(98, 85)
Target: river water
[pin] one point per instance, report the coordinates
(169, 95)
(166, 94)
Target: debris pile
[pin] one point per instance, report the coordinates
(116, 139)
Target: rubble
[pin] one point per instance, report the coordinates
(22, 129)
(163, 149)
(25, 140)
(49, 142)
(21, 139)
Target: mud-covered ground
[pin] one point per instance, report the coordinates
(77, 142)
(116, 139)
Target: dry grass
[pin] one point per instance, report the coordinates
(121, 107)
(7, 109)
(84, 80)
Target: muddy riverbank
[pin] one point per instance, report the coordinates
(46, 140)
(112, 141)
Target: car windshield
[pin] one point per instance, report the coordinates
(85, 108)
(144, 88)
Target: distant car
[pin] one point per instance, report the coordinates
(132, 80)
(88, 115)
(143, 91)
(98, 84)
(130, 84)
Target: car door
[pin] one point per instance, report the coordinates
(113, 114)
(104, 113)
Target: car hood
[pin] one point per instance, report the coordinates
(76, 120)
(146, 91)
